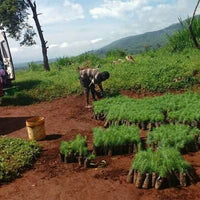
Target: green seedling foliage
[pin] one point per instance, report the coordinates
(116, 136)
(155, 71)
(163, 162)
(76, 147)
(175, 136)
(182, 108)
(15, 156)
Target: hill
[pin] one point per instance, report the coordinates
(139, 43)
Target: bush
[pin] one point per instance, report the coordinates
(182, 39)
(35, 67)
(118, 53)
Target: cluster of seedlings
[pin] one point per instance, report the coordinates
(181, 137)
(75, 151)
(116, 140)
(16, 155)
(172, 122)
(162, 168)
(149, 112)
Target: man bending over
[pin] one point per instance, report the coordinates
(88, 79)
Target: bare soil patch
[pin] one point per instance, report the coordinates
(51, 179)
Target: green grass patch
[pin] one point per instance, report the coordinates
(15, 156)
(156, 71)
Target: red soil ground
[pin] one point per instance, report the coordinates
(50, 179)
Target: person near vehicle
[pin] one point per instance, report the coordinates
(2, 74)
(89, 78)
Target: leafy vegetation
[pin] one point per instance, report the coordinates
(181, 108)
(182, 39)
(15, 156)
(163, 162)
(175, 136)
(116, 136)
(158, 71)
(75, 148)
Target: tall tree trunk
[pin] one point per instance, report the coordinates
(40, 32)
(190, 27)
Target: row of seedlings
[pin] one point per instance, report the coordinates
(160, 169)
(188, 115)
(150, 112)
(116, 140)
(127, 111)
(178, 136)
(102, 107)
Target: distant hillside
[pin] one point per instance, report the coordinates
(138, 43)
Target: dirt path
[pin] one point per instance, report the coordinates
(52, 180)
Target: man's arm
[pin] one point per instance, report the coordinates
(100, 87)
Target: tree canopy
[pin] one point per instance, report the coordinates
(14, 20)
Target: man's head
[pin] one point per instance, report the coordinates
(104, 76)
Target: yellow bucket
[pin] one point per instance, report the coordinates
(35, 128)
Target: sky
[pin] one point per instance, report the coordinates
(72, 27)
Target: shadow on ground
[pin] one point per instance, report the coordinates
(11, 124)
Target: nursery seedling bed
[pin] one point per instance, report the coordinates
(148, 113)
(74, 150)
(160, 169)
(16, 155)
(117, 150)
(153, 180)
(116, 140)
(181, 137)
(55, 174)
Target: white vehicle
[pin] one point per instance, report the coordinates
(6, 58)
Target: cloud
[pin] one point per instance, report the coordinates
(15, 50)
(60, 12)
(96, 40)
(52, 46)
(116, 8)
(64, 45)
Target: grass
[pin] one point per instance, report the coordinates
(15, 156)
(154, 71)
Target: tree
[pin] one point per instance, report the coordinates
(190, 27)
(14, 20)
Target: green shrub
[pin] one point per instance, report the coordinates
(35, 67)
(118, 53)
(182, 39)
(16, 155)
